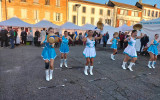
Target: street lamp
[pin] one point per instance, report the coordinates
(77, 6)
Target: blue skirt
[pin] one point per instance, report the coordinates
(153, 49)
(48, 53)
(64, 48)
(114, 46)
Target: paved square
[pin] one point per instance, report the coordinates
(22, 74)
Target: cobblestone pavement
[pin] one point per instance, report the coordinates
(22, 73)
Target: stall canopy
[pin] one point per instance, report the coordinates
(125, 27)
(45, 24)
(15, 22)
(110, 31)
(151, 28)
(89, 27)
(70, 26)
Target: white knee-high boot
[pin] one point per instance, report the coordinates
(47, 74)
(124, 65)
(85, 70)
(112, 57)
(149, 64)
(153, 64)
(65, 62)
(90, 71)
(51, 74)
(130, 66)
(61, 64)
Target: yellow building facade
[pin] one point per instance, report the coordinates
(32, 11)
(89, 13)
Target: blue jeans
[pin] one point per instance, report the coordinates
(12, 43)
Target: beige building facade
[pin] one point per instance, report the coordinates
(149, 12)
(89, 13)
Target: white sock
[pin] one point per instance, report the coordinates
(85, 70)
(153, 63)
(47, 74)
(124, 63)
(91, 68)
(130, 66)
(61, 61)
(65, 62)
(149, 62)
(51, 73)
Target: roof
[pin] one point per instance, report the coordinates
(125, 5)
(92, 3)
(147, 5)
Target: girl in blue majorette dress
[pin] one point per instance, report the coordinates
(130, 50)
(89, 51)
(114, 41)
(153, 51)
(64, 49)
(48, 54)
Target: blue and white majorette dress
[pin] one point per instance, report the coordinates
(130, 50)
(64, 45)
(153, 48)
(114, 43)
(89, 51)
(48, 52)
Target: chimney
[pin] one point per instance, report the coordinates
(155, 5)
(140, 1)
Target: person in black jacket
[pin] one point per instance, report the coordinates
(23, 36)
(37, 34)
(144, 41)
(11, 36)
(4, 37)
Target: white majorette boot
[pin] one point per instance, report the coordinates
(50, 74)
(153, 64)
(112, 57)
(47, 74)
(124, 65)
(90, 71)
(130, 66)
(85, 70)
(65, 63)
(61, 64)
(149, 64)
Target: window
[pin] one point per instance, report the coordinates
(136, 13)
(125, 22)
(36, 1)
(74, 8)
(100, 19)
(125, 12)
(47, 15)
(24, 13)
(10, 12)
(148, 12)
(83, 20)
(120, 22)
(101, 12)
(74, 19)
(84, 9)
(152, 13)
(109, 13)
(144, 13)
(47, 2)
(122, 12)
(93, 11)
(58, 16)
(92, 21)
(157, 14)
(23, 0)
(132, 13)
(58, 3)
(108, 21)
(36, 14)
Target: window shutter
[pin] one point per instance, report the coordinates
(54, 16)
(61, 17)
